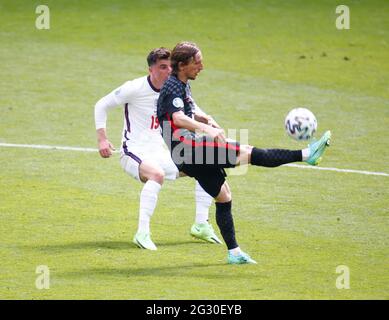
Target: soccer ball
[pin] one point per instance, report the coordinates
(300, 124)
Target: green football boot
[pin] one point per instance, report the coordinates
(204, 231)
(143, 241)
(241, 258)
(317, 148)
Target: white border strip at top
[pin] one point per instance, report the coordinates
(38, 146)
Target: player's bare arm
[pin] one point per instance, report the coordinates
(202, 117)
(183, 121)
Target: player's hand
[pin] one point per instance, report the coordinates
(216, 134)
(105, 148)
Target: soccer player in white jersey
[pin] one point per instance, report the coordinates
(144, 155)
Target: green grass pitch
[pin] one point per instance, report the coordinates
(76, 212)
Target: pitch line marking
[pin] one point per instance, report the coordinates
(371, 173)
(38, 146)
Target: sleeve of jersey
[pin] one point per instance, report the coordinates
(119, 96)
(101, 108)
(173, 103)
(125, 92)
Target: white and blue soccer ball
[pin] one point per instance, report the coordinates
(300, 124)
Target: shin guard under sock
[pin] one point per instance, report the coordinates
(274, 157)
(225, 223)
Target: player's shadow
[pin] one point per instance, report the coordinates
(96, 245)
(194, 270)
(179, 243)
(117, 245)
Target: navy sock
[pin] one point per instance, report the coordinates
(225, 223)
(274, 157)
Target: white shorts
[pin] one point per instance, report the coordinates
(132, 157)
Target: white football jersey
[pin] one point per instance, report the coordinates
(141, 126)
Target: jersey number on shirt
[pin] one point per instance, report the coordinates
(154, 123)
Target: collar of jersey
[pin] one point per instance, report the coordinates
(151, 85)
(182, 83)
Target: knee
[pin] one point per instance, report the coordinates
(228, 193)
(245, 154)
(157, 176)
(225, 194)
(228, 196)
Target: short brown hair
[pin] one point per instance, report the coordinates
(183, 52)
(157, 54)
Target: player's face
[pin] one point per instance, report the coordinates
(193, 68)
(161, 70)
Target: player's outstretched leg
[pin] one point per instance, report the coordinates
(276, 157)
(317, 148)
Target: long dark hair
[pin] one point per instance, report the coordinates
(183, 52)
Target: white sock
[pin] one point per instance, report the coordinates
(203, 202)
(148, 202)
(235, 251)
(305, 153)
